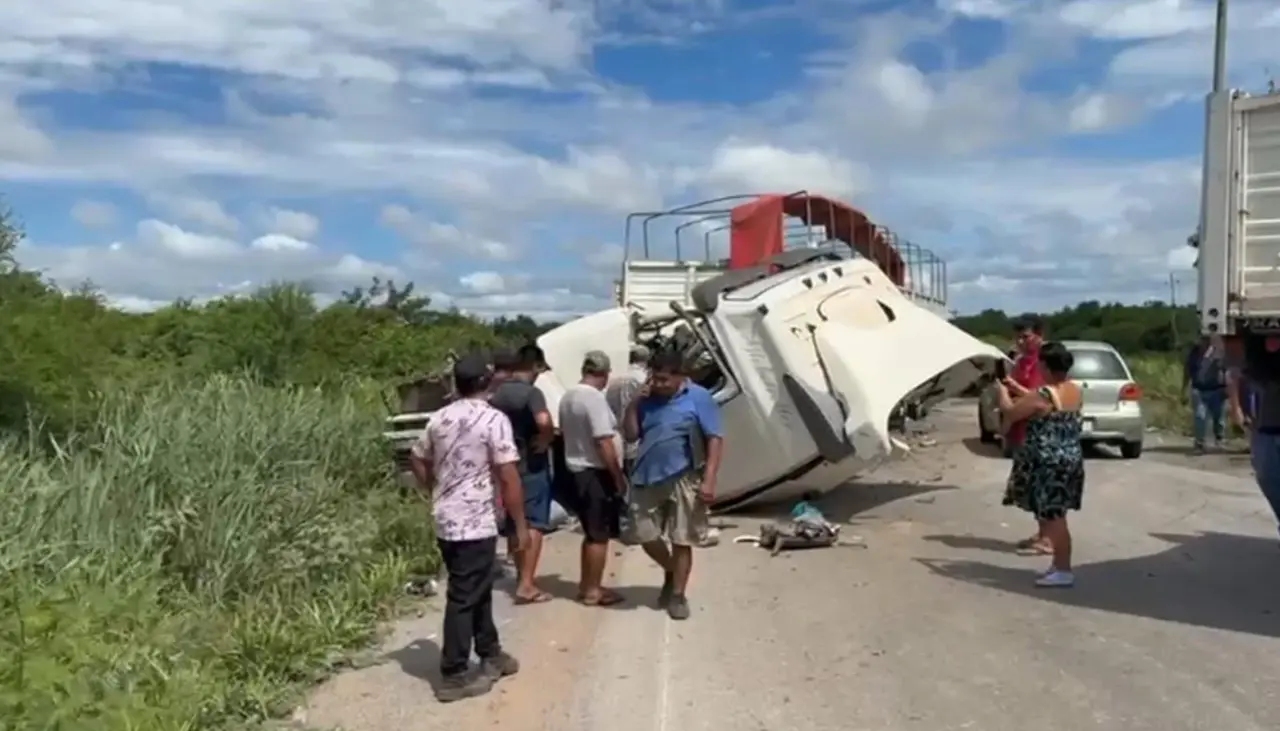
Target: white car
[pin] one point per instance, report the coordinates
(1112, 408)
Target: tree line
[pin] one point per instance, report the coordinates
(1153, 327)
(61, 349)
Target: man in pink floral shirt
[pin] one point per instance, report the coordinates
(464, 454)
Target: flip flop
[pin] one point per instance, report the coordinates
(539, 598)
(607, 598)
(1027, 542)
(1035, 550)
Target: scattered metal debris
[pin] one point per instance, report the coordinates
(806, 527)
(422, 587)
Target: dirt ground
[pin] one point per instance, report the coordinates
(935, 625)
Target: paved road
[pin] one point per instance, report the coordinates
(1174, 623)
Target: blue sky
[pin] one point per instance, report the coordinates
(488, 151)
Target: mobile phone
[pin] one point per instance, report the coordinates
(1002, 369)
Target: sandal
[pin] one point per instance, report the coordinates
(1035, 549)
(1027, 542)
(540, 597)
(607, 598)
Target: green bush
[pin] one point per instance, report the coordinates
(216, 546)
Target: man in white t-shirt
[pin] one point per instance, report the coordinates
(593, 454)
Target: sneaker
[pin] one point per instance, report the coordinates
(463, 685)
(1054, 578)
(499, 666)
(678, 607)
(668, 590)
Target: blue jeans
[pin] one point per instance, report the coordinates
(1265, 452)
(1209, 406)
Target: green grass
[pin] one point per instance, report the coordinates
(1166, 404)
(207, 552)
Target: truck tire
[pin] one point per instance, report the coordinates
(1131, 450)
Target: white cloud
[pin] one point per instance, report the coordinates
(738, 166)
(204, 212)
(295, 224)
(344, 39)
(481, 135)
(1137, 20)
(93, 214)
(437, 239)
(164, 261)
(484, 283)
(20, 140)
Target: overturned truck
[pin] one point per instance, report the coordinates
(815, 334)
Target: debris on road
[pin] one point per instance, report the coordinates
(806, 527)
(422, 587)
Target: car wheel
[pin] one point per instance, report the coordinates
(1131, 450)
(984, 436)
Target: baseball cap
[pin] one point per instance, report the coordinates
(596, 361)
(470, 368)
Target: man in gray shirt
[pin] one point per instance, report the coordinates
(624, 387)
(592, 451)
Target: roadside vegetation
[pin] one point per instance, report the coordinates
(1153, 337)
(197, 516)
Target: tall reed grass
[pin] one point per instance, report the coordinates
(204, 553)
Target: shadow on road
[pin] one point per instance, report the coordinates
(978, 448)
(1216, 580)
(635, 597)
(852, 499)
(1232, 449)
(978, 543)
(419, 659)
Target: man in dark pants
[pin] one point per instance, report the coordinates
(466, 446)
(593, 454)
(1204, 376)
(1261, 372)
(526, 407)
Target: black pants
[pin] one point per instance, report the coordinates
(468, 609)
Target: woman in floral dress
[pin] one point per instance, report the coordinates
(1047, 479)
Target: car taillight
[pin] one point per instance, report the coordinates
(1131, 392)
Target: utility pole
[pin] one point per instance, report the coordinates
(1220, 48)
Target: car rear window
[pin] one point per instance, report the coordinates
(1099, 365)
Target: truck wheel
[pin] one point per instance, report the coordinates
(1131, 450)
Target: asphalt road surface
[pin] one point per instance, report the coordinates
(1174, 622)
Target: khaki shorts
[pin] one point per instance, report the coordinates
(670, 510)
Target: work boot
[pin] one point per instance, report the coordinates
(678, 607)
(668, 590)
(499, 666)
(463, 685)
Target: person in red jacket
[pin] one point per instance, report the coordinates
(1028, 335)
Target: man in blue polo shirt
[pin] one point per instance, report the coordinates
(673, 481)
